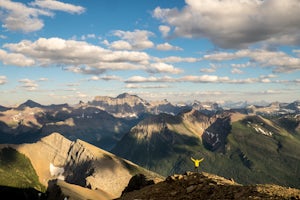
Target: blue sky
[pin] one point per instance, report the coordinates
(206, 50)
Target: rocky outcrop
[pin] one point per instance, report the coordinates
(137, 182)
(214, 136)
(207, 186)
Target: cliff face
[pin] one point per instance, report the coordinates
(124, 105)
(80, 163)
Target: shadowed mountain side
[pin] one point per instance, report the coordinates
(214, 137)
(156, 153)
(80, 163)
(208, 186)
(19, 134)
(95, 126)
(163, 143)
(91, 124)
(8, 193)
(87, 123)
(3, 108)
(59, 190)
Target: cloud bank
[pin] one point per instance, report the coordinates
(79, 57)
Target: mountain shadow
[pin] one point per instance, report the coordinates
(214, 137)
(8, 193)
(155, 145)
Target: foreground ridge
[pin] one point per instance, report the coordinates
(192, 185)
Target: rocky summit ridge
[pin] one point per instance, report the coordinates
(55, 157)
(192, 185)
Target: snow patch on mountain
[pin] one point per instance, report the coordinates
(57, 172)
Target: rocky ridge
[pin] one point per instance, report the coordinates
(203, 185)
(76, 162)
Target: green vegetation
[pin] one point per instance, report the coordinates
(16, 171)
(273, 159)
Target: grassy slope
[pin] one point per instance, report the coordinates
(273, 159)
(16, 171)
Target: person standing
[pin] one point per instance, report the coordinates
(197, 163)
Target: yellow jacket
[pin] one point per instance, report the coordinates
(197, 162)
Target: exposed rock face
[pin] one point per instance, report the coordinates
(124, 105)
(137, 182)
(214, 137)
(80, 163)
(207, 186)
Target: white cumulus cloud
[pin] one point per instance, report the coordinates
(77, 56)
(16, 16)
(176, 59)
(278, 60)
(28, 84)
(163, 68)
(236, 23)
(201, 79)
(15, 59)
(3, 80)
(167, 47)
(164, 30)
(57, 5)
(137, 39)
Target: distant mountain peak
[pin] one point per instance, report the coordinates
(30, 103)
(125, 95)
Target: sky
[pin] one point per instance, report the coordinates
(206, 50)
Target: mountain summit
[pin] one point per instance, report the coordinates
(29, 103)
(208, 186)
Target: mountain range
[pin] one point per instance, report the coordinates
(114, 138)
(248, 148)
